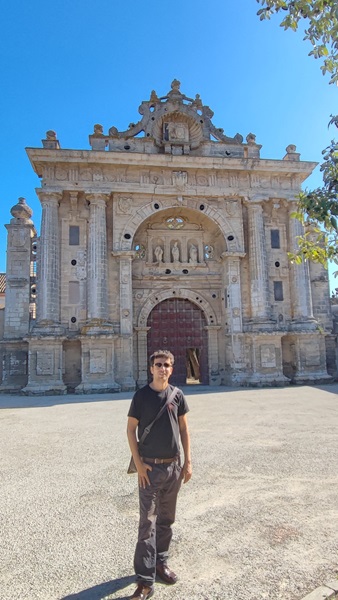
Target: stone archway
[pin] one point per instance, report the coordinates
(179, 325)
(210, 352)
(124, 238)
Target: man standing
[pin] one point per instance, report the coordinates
(159, 470)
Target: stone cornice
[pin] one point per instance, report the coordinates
(42, 156)
(253, 195)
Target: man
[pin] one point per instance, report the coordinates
(159, 470)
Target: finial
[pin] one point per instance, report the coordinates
(251, 138)
(21, 210)
(291, 148)
(51, 135)
(175, 85)
(51, 142)
(153, 96)
(98, 129)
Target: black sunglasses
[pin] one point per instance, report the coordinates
(159, 365)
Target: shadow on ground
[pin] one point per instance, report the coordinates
(98, 592)
(21, 401)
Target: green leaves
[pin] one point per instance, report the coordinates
(318, 209)
(321, 17)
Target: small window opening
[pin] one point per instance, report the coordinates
(275, 238)
(74, 235)
(278, 290)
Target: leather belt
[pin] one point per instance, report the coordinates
(159, 461)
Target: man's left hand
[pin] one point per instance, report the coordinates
(186, 472)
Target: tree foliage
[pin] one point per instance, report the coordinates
(317, 209)
(321, 18)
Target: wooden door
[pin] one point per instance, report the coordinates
(179, 325)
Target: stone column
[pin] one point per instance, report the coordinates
(21, 232)
(125, 370)
(301, 299)
(97, 295)
(48, 299)
(260, 305)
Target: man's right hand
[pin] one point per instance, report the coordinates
(142, 470)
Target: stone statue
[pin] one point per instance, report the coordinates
(175, 252)
(159, 253)
(193, 254)
(98, 129)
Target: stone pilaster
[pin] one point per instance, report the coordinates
(142, 334)
(213, 357)
(126, 290)
(300, 285)
(259, 286)
(232, 282)
(125, 370)
(97, 293)
(48, 299)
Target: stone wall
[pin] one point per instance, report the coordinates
(186, 212)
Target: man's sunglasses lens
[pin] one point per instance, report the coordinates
(159, 365)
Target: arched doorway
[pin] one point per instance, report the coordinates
(179, 325)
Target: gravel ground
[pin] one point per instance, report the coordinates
(257, 521)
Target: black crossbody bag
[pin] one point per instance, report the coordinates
(132, 468)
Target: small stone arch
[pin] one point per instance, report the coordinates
(128, 233)
(195, 298)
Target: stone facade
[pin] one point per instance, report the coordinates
(169, 234)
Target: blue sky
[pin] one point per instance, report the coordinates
(68, 65)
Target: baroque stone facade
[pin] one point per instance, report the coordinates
(169, 234)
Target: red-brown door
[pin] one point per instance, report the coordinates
(179, 325)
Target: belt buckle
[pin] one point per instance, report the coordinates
(157, 461)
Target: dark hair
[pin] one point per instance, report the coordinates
(161, 354)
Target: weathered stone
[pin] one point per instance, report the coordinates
(175, 219)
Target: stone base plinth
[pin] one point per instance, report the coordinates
(268, 380)
(10, 389)
(128, 384)
(312, 378)
(48, 389)
(97, 388)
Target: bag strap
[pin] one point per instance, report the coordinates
(159, 414)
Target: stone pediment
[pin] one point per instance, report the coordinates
(173, 124)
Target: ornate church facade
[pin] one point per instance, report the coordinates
(167, 235)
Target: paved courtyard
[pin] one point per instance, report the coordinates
(259, 519)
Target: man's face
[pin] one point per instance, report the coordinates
(161, 368)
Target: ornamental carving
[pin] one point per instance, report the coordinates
(180, 179)
(44, 363)
(124, 204)
(173, 124)
(61, 174)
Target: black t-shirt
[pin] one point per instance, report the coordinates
(145, 405)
